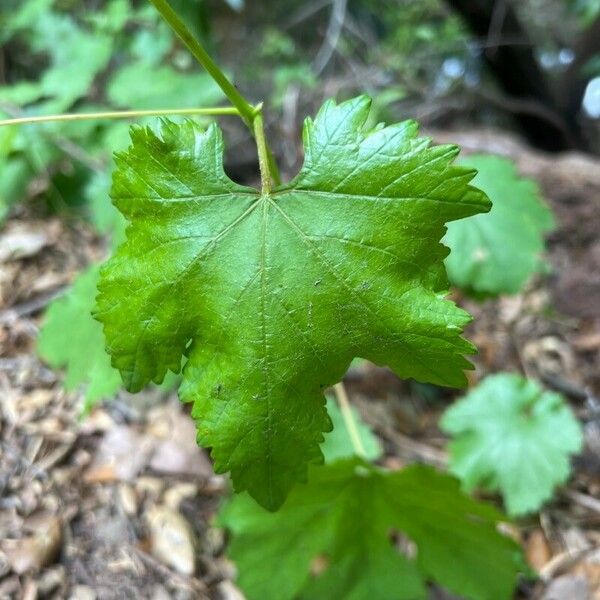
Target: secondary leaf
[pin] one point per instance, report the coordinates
(496, 253)
(271, 296)
(71, 338)
(347, 518)
(337, 442)
(512, 437)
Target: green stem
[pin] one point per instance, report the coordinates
(126, 114)
(246, 110)
(349, 422)
(263, 155)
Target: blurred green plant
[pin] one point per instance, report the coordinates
(497, 252)
(416, 38)
(512, 437)
(359, 532)
(71, 338)
(70, 58)
(586, 10)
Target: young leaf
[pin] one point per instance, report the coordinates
(337, 442)
(346, 519)
(496, 253)
(512, 437)
(71, 338)
(271, 296)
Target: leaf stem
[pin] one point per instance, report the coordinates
(246, 110)
(263, 154)
(349, 422)
(127, 114)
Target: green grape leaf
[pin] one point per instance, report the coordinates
(335, 537)
(496, 253)
(511, 436)
(338, 443)
(71, 338)
(271, 296)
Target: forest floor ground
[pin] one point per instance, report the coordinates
(85, 504)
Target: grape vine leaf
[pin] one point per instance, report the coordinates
(71, 338)
(497, 252)
(271, 296)
(337, 442)
(512, 436)
(337, 537)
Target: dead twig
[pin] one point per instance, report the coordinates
(192, 583)
(424, 452)
(583, 500)
(31, 306)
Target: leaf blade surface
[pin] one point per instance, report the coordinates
(271, 296)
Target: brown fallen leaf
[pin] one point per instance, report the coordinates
(589, 568)
(567, 587)
(537, 550)
(177, 451)
(587, 342)
(128, 499)
(121, 456)
(172, 539)
(39, 550)
(22, 240)
(82, 592)
(101, 474)
(228, 591)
